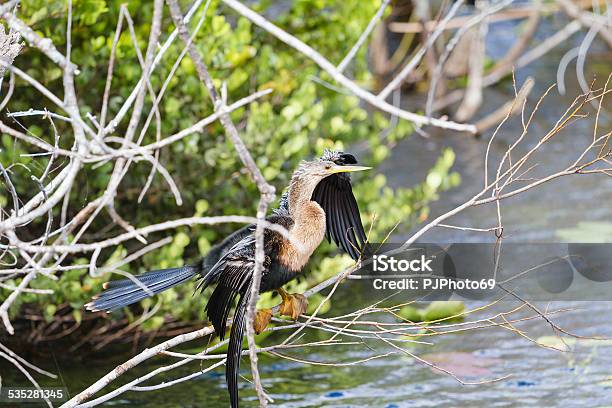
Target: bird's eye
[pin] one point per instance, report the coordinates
(327, 166)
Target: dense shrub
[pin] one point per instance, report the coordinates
(297, 121)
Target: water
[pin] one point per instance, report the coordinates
(538, 215)
(538, 376)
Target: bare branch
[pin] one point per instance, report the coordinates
(266, 190)
(328, 67)
(363, 37)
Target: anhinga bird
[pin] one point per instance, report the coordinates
(319, 202)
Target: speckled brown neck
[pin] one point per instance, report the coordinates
(309, 223)
(308, 230)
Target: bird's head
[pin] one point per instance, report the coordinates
(310, 173)
(315, 171)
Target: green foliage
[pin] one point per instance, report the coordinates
(587, 232)
(446, 311)
(297, 121)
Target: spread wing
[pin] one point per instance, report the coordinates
(343, 223)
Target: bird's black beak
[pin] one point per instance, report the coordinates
(347, 169)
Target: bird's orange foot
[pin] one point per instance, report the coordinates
(262, 319)
(293, 305)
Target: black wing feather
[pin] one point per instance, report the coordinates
(348, 237)
(230, 285)
(343, 223)
(337, 224)
(355, 217)
(323, 202)
(335, 195)
(234, 349)
(231, 272)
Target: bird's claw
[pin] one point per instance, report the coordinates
(293, 305)
(262, 319)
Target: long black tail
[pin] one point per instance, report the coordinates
(234, 350)
(125, 292)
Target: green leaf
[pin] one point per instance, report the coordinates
(201, 207)
(587, 232)
(154, 323)
(49, 312)
(181, 239)
(219, 26)
(78, 317)
(443, 310)
(411, 313)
